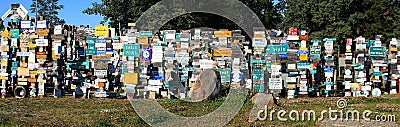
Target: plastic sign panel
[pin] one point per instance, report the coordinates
(41, 24)
(277, 49)
(146, 54)
(225, 74)
(377, 51)
(101, 31)
(131, 50)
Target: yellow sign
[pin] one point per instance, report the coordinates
(4, 63)
(3, 77)
(223, 33)
(222, 52)
(6, 34)
(32, 45)
(44, 32)
(131, 78)
(303, 48)
(22, 71)
(259, 36)
(101, 31)
(291, 86)
(303, 57)
(33, 73)
(143, 40)
(31, 80)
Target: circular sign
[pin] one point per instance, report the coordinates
(347, 72)
(376, 92)
(236, 76)
(348, 47)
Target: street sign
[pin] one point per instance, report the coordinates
(277, 49)
(225, 74)
(131, 50)
(377, 51)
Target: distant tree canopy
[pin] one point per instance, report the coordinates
(125, 11)
(321, 18)
(48, 9)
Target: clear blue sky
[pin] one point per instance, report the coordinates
(72, 12)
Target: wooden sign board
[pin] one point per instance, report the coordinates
(131, 78)
(44, 32)
(222, 52)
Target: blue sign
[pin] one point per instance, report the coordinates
(328, 71)
(81, 52)
(146, 54)
(101, 40)
(302, 52)
(283, 55)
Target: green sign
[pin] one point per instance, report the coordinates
(377, 74)
(225, 75)
(146, 33)
(315, 41)
(371, 43)
(313, 71)
(187, 69)
(277, 49)
(259, 87)
(377, 51)
(14, 33)
(268, 65)
(91, 49)
(330, 39)
(258, 74)
(131, 50)
(258, 61)
(315, 56)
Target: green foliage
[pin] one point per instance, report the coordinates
(344, 18)
(48, 9)
(112, 10)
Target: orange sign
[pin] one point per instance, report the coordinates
(44, 32)
(222, 52)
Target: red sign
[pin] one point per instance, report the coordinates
(293, 31)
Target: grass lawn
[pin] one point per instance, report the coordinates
(117, 112)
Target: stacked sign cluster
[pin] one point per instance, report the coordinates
(83, 62)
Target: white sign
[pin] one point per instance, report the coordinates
(291, 66)
(58, 29)
(118, 45)
(275, 83)
(25, 24)
(23, 53)
(206, 64)
(259, 42)
(41, 24)
(155, 82)
(291, 79)
(376, 92)
(42, 42)
(157, 55)
(100, 72)
(101, 45)
(366, 88)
